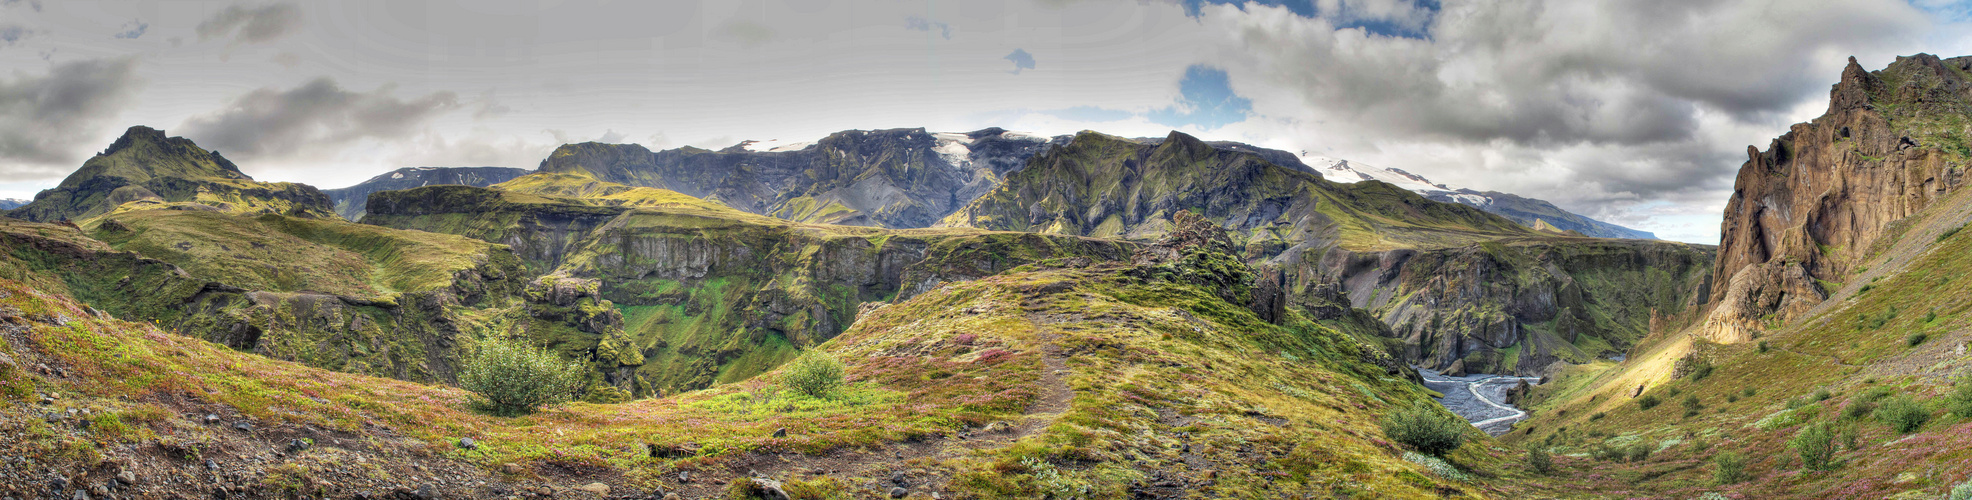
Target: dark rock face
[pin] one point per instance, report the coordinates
(351, 201)
(145, 164)
(898, 178)
(1811, 207)
(1515, 306)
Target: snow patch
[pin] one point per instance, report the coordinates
(775, 146)
(1014, 135)
(396, 175)
(953, 148)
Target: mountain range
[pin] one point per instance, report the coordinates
(1009, 316)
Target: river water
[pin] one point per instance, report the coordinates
(1480, 398)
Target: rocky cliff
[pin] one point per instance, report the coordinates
(898, 178)
(1807, 210)
(350, 201)
(1517, 305)
(707, 293)
(146, 167)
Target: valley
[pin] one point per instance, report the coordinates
(994, 314)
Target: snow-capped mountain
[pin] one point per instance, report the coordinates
(12, 203)
(1526, 211)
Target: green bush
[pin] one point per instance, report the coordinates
(1816, 444)
(1942, 237)
(1648, 401)
(513, 378)
(1704, 369)
(1960, 399)
(1427, 428)
(1538, 459)
(1638, 451)
(1731, 468)
(815, 373)
(1691, 402)
(1763, 347)
(1903, 414)
(1822, 395)
(1914, 339)
(1961, 492)
(1858, 409)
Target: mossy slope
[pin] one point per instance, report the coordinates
(145, 167)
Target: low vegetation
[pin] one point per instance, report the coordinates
(512, 378)
(1427, 428)
(815, 374)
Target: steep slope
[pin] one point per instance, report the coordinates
(1105, 381)
(1820, 200)
(1526, 211)
(707, 293)
(1106, 186)
(145, 167)
(1455, 288)
(1859, 306)
(349, 201)
(898, 178)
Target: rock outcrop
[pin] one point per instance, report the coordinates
(1810, 208)
(351, 201)
(898, 178)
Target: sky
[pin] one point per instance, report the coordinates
(1636, 112)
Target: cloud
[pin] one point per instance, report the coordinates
(133, 29)
(1021, 60)
(318, 116)
(13, 33)
(916, 23)
(49, 120)
(261, 24)
(36, 4)
(1389, 18)
(1206, 100)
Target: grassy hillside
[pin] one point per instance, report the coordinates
(146, 167)
(1098, 382)
(1899, 331)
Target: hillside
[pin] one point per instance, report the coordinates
(898, 178)
(1807, 212)
(707, 293)
(145, 167)
(1845, 311)
(1526, 211)
(1454, 288)
(349, 201)
(1098, 381)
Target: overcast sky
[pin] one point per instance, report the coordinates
(1634, 112)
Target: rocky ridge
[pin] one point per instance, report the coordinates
(1824, 196)
(349, 201)
(145, 167)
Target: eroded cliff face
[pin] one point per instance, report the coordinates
(1811, 207)
(1510, 306)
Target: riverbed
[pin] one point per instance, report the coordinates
(1480, 398)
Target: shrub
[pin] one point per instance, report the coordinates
(815, 373)
(513, 378)
(1822, 395)
(1691, 402)
(1427, 428)
(1704, 369)
(1763, 347)
(1858, 409)
(1942, 237)
(1648, 401)
(1539, 460)
(1960, 399)
(1599, 415)
(1816, 444)
(1749, 392)
(1903, 414)
(1962, 492)
(1731, 468)
(1914, 339)
(1605, 453)
(1638, 451)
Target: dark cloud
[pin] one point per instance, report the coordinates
(1021, 60)
(11, 34)
(260, 24)
(52, 119)
(133, 29)
(317, 116)
(36, 4)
